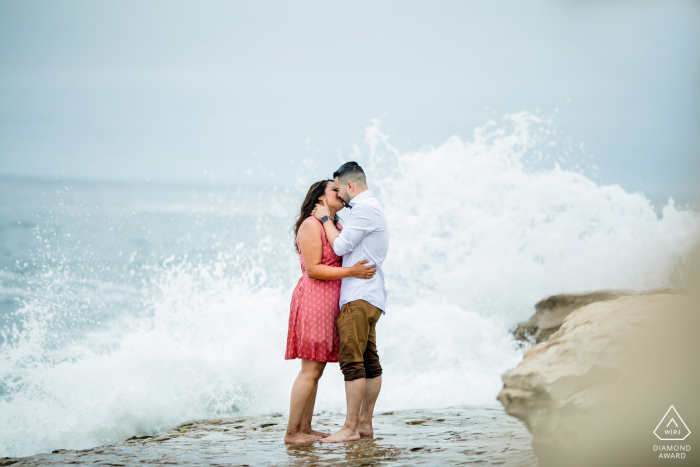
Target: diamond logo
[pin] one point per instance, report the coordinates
(671, 427)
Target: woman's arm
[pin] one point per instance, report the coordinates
(361, 223)
(309, 238)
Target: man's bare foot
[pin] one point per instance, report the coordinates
(342, 436)
(300, 437)
(366, 429)
(311, 431)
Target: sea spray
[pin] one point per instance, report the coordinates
(472, 223)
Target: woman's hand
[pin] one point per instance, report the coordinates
(321, 210)
(361, 271)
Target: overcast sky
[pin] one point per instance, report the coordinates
(178, 91)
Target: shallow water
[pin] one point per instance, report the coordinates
(454, 436)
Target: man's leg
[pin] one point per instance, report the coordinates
(354, 392)
(373, 372)
(353, 328)
(372, 387)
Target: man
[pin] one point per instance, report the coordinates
(362, 301)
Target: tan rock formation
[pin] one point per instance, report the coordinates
(551, 311)
(594, 392)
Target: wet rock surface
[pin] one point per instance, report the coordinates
(453, 436)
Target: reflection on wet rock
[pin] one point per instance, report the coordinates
(453, 436)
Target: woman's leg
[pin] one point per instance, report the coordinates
(303, 389)
(308, 414)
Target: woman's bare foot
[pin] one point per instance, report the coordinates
(300, 437)
(342, 436)
(366, 429)
(320, 434)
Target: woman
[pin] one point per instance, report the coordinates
(313, 334)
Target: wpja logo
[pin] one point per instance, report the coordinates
(671, 428)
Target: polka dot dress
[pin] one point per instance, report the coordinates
(313, 333)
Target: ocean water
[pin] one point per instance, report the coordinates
(128, 308)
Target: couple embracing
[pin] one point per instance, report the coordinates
(337, 302)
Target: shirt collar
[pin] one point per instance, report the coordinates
(365, 194)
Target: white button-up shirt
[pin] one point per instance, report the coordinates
(365, 236)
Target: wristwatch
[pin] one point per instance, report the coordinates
(324, 219)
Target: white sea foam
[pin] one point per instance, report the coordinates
(478, 235)
(473, 224)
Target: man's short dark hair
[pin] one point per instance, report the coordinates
(351, 172)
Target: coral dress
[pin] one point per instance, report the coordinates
(313, 333)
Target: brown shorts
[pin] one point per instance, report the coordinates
(358, 356)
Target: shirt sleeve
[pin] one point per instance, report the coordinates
(360, 223)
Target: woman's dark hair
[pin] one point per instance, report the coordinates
(316, 190)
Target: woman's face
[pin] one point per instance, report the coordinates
(332, 199)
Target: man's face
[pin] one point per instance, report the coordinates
(343, 193)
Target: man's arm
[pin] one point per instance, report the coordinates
(360, 223)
